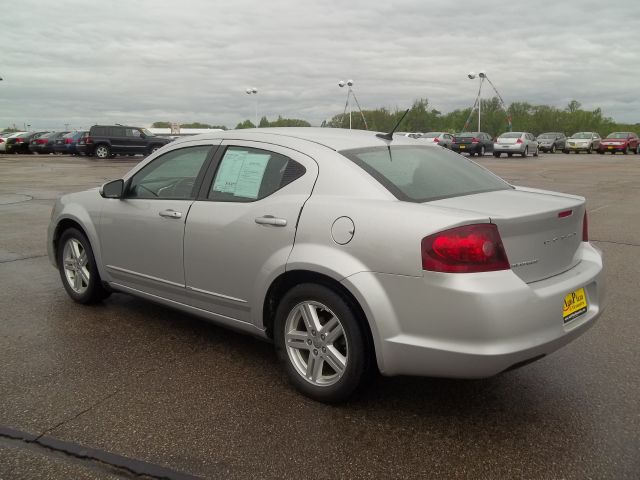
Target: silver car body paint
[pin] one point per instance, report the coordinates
(422, 323)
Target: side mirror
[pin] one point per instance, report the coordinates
(114, 189)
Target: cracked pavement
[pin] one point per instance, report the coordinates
(145, 382)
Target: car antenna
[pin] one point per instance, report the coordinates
(389, 136)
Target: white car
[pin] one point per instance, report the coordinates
(520, 143)
(5, 136)
(352, 251)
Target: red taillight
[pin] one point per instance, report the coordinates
(88, 140)
(565, 213)
(585, 228)
(1, 140)
(467, 249)
(519, 140)
(41, 141)
(68, 140)
(453, 140)
(19, 140)
(437, 140)
(474, 140)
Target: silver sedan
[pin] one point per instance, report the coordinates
(520, 143)
(443, 139)
(351, 252)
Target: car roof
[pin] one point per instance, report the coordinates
(333, 138)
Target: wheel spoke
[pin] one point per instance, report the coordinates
(83, 259)
(310, 317)
(314, 367)
(296, 339)
(335, 359)
(77, 282)
(75, 249)
(69, 264)
(333, 330)
(83, 273)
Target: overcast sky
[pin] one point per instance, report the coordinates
(82, 62)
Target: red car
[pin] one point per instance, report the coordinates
(624, 142)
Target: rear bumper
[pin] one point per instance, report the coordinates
(66, 148)
(613, 148)
(473, 325)
(85, 149)
(515, 148)
(469, 148)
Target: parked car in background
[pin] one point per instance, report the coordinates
(583, 142)
(106, 141)
(519, 143)
(552, 141)
(67, 143)
(443, 139)
(624, 142)
(44, 143)
(20, 143)
(474, 143)
(409, 134)
(6, 136)
(350, 252)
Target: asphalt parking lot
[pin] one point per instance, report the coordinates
(128, 381)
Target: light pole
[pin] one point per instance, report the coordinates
(254, 91)
(350, 93)
(482, 76)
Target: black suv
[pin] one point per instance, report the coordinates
(106, 141)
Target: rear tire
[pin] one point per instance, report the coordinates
(535, 154)
(321, 367)
(626, 150)
(553, 148)
(509, 155)
(497, 155)
(77, 267)
(525, 153)
(481, 151)
(102, 152)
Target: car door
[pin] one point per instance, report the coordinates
(118, 138)
(240, 231)
(141, 235)
(136, 142)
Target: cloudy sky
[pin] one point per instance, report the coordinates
(81, 62)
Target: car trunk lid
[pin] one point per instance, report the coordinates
(541, 231)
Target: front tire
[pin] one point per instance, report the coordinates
(77, 267)
(321, 343)
(102, 152)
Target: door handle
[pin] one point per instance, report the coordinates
(271, 220)
(169, 213)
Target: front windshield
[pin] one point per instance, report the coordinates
(618, 135)
(422, 174)
(147, 133)
(581, 135)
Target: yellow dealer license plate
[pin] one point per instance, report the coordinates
(610, 148)
(462, 146)
(575, 304)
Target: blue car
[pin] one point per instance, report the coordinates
(67, 143)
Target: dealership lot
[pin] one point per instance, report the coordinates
(148, 383)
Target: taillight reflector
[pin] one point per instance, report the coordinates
(467, 249)
(436, 139)
(565, 213)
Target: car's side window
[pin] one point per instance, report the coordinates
(250, 174)
(133, 132)
(172, 175)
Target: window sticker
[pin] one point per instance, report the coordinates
(241, 173)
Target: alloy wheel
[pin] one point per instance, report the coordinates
(76, 268)
(102, 152)
(316, 343)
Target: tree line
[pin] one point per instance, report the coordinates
(421, 118)
(524, 116)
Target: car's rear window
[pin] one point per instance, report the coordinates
(511, 135)
(422, 174)
(618, 135)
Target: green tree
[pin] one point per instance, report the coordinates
(161, 125)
